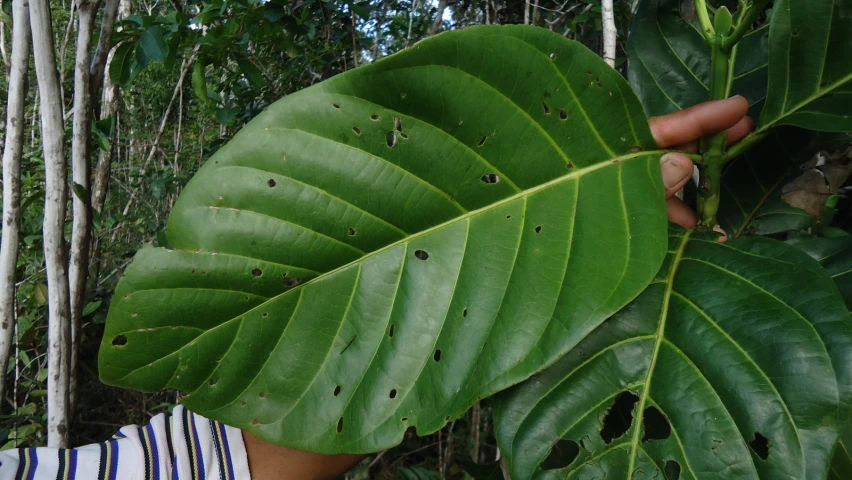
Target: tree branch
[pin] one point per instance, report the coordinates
(610, 34)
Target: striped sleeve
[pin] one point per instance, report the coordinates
(181, 446)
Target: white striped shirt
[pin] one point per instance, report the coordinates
(181, 446)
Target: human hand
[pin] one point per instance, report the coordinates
(682, 131)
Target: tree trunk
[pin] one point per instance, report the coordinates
(609, 33)
(53, 142)
(81, 233)
(13, 150)
(439, 18)
(99, 59)
(185, 66)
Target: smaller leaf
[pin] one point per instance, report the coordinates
(90, 308)
(154, 45)
(81, 192)
(199, 82)
(227, 115)
(122, 59)
(252, 73)
(41, 294)
(478, 471)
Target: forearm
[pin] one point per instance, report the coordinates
(268, 462)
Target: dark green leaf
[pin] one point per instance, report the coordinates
(91, 307)
(199, 82)
(660, 388)
(362, 251)
(81, 192)
(417, 473)
(119, 68)
(835, 255)
(478, 471)
(810, 67)
(154, 45)
(227, 115)
(252, 73)
(670, 61)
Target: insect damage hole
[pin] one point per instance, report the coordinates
(619, 417)
(392, 393)
(356, 130)
(340, 425)
(545, 108)
(437, 356)
(482, 141)
(421, 254)
(760, 445)
(672, 470)
(292, 281)
(563, 115)
(657, 426)
(390, 138)
(119, 341)
(351, 232)
(538, 229)
(374, 117)
(335, 105)
(214, 381)
(490, 178)
(397, 124)
(256, 272)
(271, 183)
(562, 454)
(390, 331)
(337, 390)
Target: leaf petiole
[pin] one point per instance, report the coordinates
(746, 20)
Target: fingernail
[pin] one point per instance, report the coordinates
(673, 169)
(735, 96)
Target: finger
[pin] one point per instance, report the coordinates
(677, 170)
(695, 122)
(724, 235)
(735, 134)
(680, 214)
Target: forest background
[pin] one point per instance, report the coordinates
(164, 84)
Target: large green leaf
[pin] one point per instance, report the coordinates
(835, 255)
(383, 249)
(736, 362)
(670, 61)
(810, 65)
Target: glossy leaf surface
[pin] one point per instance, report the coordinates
(659, 390)
(383, 249)
(810, 65)
(670, 61)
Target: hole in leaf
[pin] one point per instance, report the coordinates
(256, 272)
(390, 332)
(482, 141)
(796, 33)
(421, 254)
(562, 454)
(335, 105)
(447, 418)
(760, 445)
(340, 425)
(119, 341)
(404, 419)
(672, 470)
(292, 281)
(265, 315)
(271, 183)
(337, 390)
(374, 117)
(538, 229)
(563, 115)
(490, 178)
(243, 404)
(569, 165)
(392, 393)
(254, 422)
(261, 395)
(404, 136)
(356, 130)
(635, 149)
(546, 108)
(619, 417)
(508, 216)
(391, 138)
(214, 381)
(437, 356)
(397, 124)
(464, 312)
(553, 56)
(351, 232)
(657, 426)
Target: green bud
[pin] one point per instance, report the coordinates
(723, 21)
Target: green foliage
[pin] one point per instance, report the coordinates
(373, 277)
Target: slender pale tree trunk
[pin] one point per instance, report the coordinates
(81, 232)
(12, 151)
(527, 12)
(97, 71)
(609, 33)
(56, 194)
(439, 18)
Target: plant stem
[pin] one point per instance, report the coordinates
(704, 19)
(713, 146)
(746, 20)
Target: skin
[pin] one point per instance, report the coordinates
(680, 130)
